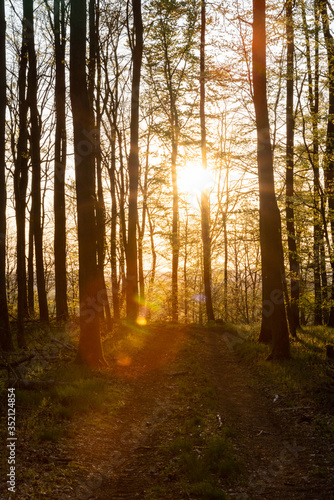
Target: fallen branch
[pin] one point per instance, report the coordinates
(67, 346)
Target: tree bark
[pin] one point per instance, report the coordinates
(35, 134)
(100, 205)
(20, 189)
(329, 152)
(90, 347)
(31, 291)
(290, 216)
(133, 168)
(113, 237)
(205, 204)
(270, 221)
(6, 342)
(313, 98)
(175, 205)
(141, 228)
(319, 292)
(60, 163)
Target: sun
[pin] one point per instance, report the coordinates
(194, 179)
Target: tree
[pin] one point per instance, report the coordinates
(133, 166)
(90, 347)
(290, 217)
(94, 84)
(20, 187)
(6, 342)
(170, 62)
(270, 222)
(313, 155)
(60, 162)
(329, 152)
(35, 134)
(205, 206)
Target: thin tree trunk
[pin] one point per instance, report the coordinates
(154, 253)
(100, 205)
(113, 238)
(141, 228)
(35, 135)
(205, 204)
(270, 221)
(133, 167)
(328, 157)
(319, 292)
(175, 221)
(20, 189)
(60, 163)
(6, 342)
(324, 282)
(90, 347)
(290, 216)
(313, 98)
(225, 267)
(31, 292)
(122, 228)
(185, 263)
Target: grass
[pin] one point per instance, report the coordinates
(45, 417)
(79, 392)
(199, 456)
(305, 377)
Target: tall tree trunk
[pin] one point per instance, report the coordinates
(6, 342)
(153, 251)
(324, 282)
(185, 265)
(90, 347)
(141, 228)
(133, 167)
(329, 153)
(113, 237)
(205, 204)
(100, 205)
(122, 228)
(290, 216)
(313, 98)
(20, 189)
(31, 291)
(35, 135)
(319, 291)
(270, 221)
(225, 266)
(175, 220)
(60, 163)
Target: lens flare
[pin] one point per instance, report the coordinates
(141, 321)
(124, 360)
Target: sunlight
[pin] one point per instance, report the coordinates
(124, 360)
(194, 179)
(141, 321)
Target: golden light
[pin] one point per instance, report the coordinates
(194, 179)
(141, 321)
(123, 360)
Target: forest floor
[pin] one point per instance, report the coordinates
(186, 418)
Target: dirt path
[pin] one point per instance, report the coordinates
(119, 449)
(283, 456)
(283, 459)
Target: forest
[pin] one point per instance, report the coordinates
(145, 177)
(166, 167)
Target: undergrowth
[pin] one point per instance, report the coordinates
(198, 458)
(308, 375)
